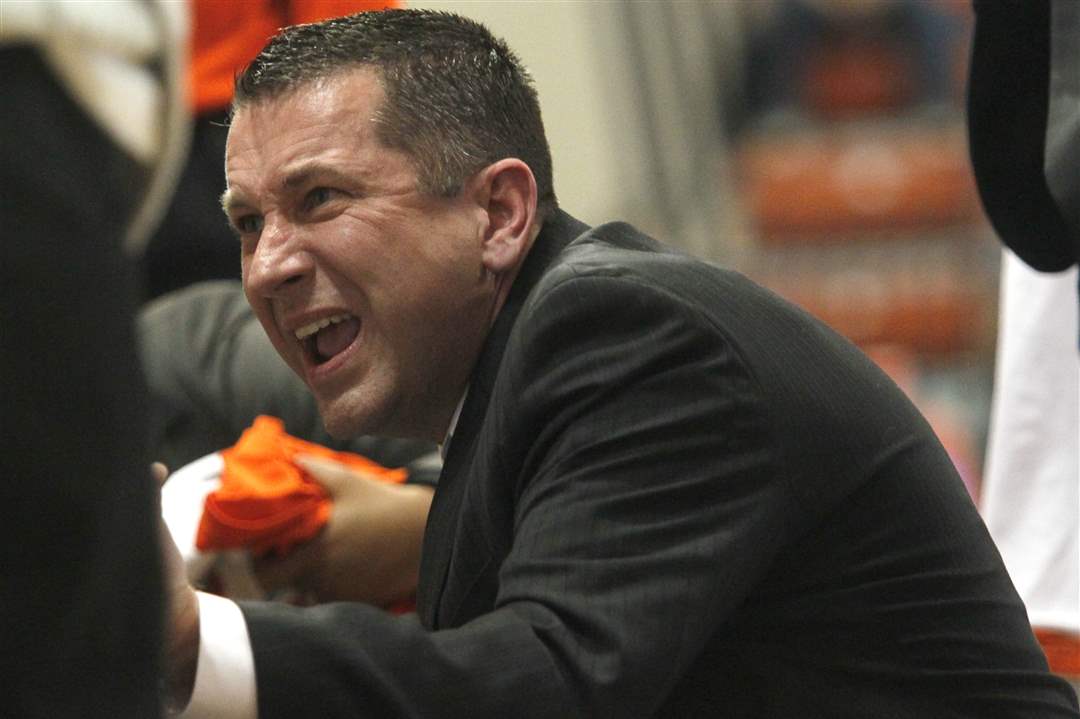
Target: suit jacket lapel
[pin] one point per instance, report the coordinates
(442, 520)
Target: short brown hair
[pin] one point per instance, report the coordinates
(457, 98)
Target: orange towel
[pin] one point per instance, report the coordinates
(1062, 651)
(266, 503)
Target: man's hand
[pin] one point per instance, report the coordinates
(369, 550)
(181, 621)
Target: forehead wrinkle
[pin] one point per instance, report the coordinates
(308, 169)
(328, 147)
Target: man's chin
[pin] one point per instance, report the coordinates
(346, 420)
(342, 427)
(340, 422)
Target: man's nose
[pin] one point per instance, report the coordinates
(279, 261)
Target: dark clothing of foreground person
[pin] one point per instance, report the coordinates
(81, 598)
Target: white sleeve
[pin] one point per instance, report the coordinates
(225, 677)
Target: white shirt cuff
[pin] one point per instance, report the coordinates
(225, 677)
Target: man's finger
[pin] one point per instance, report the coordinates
(333, 476)
(288, 572)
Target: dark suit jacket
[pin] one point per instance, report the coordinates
(672, 493)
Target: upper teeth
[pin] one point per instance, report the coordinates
(310, 329)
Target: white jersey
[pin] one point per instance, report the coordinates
(1030, 495)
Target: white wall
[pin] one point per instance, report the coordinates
(653, 158)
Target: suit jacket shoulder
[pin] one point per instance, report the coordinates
(669, 460)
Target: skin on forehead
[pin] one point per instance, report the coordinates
(363, 84)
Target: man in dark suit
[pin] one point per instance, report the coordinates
(666, 491)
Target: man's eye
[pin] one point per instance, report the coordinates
(317, 196)
(248, 224)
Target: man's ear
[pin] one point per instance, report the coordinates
(507, 192)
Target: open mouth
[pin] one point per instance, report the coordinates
(324, 339)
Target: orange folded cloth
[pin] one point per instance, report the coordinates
(266, 503)
(1062, 651)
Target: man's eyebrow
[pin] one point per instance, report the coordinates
(231, 200)
(316, 172)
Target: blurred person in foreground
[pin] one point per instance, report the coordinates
(1024, 127)
(665, 490)
(91, 131)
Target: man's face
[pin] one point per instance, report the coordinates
(374, 293)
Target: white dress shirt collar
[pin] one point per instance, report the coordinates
(445, 446)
